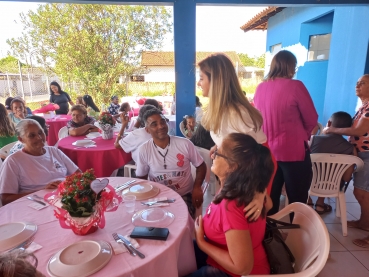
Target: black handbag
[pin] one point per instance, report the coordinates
(280, 257)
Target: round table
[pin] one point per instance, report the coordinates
(173, 257)
(104, 158)
(56, 123)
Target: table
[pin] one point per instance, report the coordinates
(56, 124)
(173, 257)
(104, 158)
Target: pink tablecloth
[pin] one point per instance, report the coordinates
(173, 257)
(104, 158)
(55, 125)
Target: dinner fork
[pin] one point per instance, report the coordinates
(117, 239)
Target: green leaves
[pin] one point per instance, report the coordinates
(91, 44)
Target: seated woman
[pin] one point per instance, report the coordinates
(229, 244)
(92, 109)
(18, 110)
(7, 129)
(19, 264)
(80, 124)
(19, 145)
(34, 168)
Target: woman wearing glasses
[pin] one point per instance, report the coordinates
(289, 117)
(229, 111)
(226, 243)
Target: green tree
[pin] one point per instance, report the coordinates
(92, 44)
(246, 60)
(9, 64)
(260, 61)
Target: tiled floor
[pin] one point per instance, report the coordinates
(346, 259)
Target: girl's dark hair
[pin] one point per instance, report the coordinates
(253, 168)
(198, 103)
(202, 138)
(123, 107)
(42, 122)
(53, 83)
(90, 102)
(185, 120)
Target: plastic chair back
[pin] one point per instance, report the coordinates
(309, 244)
(328, 170)
(4, 151)
(181, 127)
(63, 132)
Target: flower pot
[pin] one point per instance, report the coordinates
(84, 225)
(108, 134)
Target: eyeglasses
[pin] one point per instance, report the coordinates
(215, 154)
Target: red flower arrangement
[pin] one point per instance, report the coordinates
(106, 118)
(82, 209)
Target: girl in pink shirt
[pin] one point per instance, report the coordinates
(231, 244)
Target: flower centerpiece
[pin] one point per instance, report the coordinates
(106, 123)
(81, 201)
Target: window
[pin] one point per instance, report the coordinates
(319, 47)
(274, 49)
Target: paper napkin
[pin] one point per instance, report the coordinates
(37, 206)
(33, 247)
(119, 248)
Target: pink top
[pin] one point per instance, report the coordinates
(289, 117)
(227, 216)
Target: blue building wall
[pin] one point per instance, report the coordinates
(331, 83)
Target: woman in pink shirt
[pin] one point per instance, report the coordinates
(227, 244)
(289, 117)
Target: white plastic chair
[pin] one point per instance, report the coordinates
(204, 187)
(4, 151)
(309, 244)
(128, 169)
(63, 132)
(210, 176)
(182, 129)
(327, 174)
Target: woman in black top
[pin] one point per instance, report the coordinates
(57, 96)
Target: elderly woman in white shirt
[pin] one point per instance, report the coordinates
(34, 168)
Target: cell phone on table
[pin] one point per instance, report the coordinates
(150, 233)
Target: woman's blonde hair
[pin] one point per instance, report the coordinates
(7, 128)
(18, 264)
(225, 94)
(283, 66)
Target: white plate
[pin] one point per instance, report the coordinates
(83, 142)
(143, 190)
(80, 259)
(93, 135)
(13, 234)
(153, 217)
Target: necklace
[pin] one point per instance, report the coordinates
(165, 165)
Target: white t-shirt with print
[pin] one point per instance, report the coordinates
(22, 172)
(177, 175)
(232, 123)
(133, 141)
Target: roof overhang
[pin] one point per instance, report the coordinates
(260, 21)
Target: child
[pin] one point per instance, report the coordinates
(189, 125)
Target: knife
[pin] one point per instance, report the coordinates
(131, 246)
(126, 246)
(40, 202)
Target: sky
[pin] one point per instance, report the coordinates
(217, 28)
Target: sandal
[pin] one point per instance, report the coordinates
(326, 208)
(364, 243)
(310, 204)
